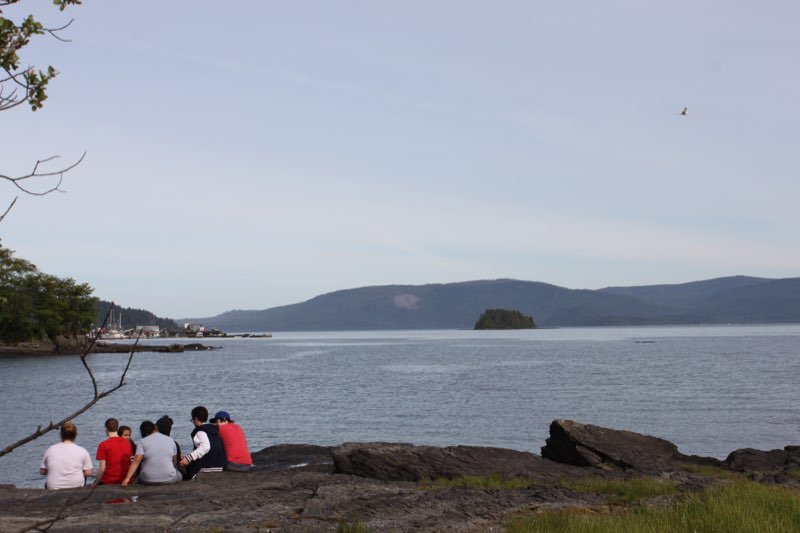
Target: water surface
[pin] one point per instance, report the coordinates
(708, 389)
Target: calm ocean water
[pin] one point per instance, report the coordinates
(708, 389)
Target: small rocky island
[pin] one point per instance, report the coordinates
(403, 487)
(504, 319)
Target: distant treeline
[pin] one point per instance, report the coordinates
(133, 317)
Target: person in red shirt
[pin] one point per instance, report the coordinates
(235, 442)
(114, 455)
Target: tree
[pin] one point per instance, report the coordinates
(504, 319)
(39, 306)
(23, 84)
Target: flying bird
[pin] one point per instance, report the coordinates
(685, 111)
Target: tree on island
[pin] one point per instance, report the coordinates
(504, 319)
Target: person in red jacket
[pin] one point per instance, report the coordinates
(235, 442)
(114, 455)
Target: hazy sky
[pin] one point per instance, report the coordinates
(249, 154)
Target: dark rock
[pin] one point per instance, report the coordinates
(751, 460)
(406, 462)
(294, 456)
(586, 445)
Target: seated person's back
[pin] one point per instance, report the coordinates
(157, 455)
(114, 455)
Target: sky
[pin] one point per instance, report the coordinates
(251, 154)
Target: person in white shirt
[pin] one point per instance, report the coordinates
(66, 464)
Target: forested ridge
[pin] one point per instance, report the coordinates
(736, 299)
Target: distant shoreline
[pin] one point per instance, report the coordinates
(47, 349)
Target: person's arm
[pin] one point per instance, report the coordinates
(201, 447)
(43, 466)
(88, 466)
(101, 470)
(137, 460)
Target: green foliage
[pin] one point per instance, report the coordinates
(741, 505)
(39, 306)
(14, 36)
(504, 319)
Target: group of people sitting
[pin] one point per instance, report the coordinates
(219, 444)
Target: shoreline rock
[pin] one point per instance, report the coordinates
(45, 348)
(296, 487)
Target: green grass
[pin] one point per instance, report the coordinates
(352, 527)
(493, 481)
(623, 490)
(710, 471)
(739, 506)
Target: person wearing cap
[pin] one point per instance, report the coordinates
(209, 451)
(235, 442)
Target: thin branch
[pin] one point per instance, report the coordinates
(37, 173)
(96, 398)
(8, 208)
(53, 32)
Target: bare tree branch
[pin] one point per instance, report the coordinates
(96, 398)
(39, 173)
(8, 208)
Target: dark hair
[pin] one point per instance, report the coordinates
(122, 430)
(112, 425)
(164, 425)
(68, 431)
(200, 413)
(146, 428)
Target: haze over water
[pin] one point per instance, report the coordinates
(709, 390)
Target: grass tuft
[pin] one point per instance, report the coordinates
(623, 490)
(714, 472)
(739, 505)
(356, 526)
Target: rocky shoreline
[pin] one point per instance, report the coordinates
(47, 348)
(386, 486)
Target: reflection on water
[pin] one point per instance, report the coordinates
(708, 389)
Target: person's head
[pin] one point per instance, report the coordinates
(112, 425)
(147, 428)
(199, 415)
(164, 425)
(68, 431)
(221, 418)
(125, 431)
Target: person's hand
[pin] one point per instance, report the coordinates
(184, 461)
(125, 482)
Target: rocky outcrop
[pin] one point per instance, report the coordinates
(406, 462)
(586, 445)
(751, 460)
(302, 488)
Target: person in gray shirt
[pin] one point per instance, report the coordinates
(158, 456)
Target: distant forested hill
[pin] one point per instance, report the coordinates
(736, 299)
(133, 317)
